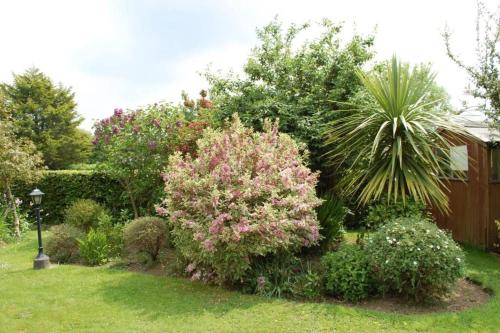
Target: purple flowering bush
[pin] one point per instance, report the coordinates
(133, 147)
(246, 195)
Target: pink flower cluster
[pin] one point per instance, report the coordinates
(247, 194)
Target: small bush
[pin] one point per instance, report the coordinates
(84, 214)
(146, 235)
(94, 248)
(113, 232)
(347, 273)
(272, 276)
(307, 284)
(62, 245)
(246, 195)
(412, 257)
(331, 215)
(382, 212)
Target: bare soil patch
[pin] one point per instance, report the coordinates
(465, 295)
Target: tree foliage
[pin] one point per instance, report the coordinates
(485, 74)
(299, 83)
(393, 147)
(18, 161)
(133, 147)
(45, 114)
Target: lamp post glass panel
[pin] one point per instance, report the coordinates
(41, 260)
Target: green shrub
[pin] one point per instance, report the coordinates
(272, 275)
(113, 232)
(63, 187)
(307, 284)
(62, 245)
(5, 232)
(382, 212)
(146, 235)
(347, 273)
(411, 256)
(84, 214)
(331, 215)
(94, 248)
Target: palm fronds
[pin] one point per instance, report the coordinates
(394, 146)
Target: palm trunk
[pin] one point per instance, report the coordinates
(17, 229)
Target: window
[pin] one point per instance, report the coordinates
(458, 158)
(495, 164)
(458, 162)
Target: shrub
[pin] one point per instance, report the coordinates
(413, 257)
(245, 196)
(113, 232)
(331, 215)
(62, 245)
(94, 248)
(84, 214)
(347, 273)
(147, 235)
(382, 212)
(5, 232)
(307, 284)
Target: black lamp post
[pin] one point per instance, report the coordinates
(41, 260)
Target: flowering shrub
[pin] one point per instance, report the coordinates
(413, 257)
(134, 146)
(246, 195)
(347, 273)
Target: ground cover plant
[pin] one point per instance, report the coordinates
(89, 299)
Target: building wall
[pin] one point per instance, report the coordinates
(469, 200)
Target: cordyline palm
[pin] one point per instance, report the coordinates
(395, 146)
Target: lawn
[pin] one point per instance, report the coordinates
(82, 299)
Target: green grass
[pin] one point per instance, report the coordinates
(83, 299)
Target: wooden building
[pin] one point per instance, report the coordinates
(475, 202)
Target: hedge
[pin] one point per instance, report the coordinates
(62, 187)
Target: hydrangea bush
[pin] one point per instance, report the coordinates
(244, 196)
(412, 257)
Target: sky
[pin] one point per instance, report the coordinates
(131, 53)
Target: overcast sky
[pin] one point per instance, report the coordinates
(130, 53)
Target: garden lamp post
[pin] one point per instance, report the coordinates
(41, 260)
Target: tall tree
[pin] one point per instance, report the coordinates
(18, 161)
(484, 76)
(45, 114)
(298, 81)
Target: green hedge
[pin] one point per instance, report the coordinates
(62, 187)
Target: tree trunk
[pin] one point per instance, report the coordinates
(131, 197)
(17, 229)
